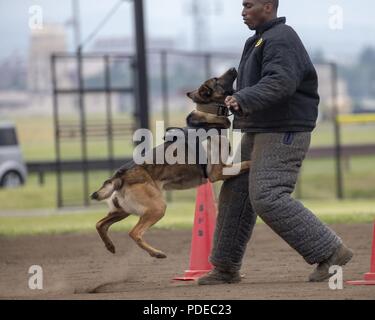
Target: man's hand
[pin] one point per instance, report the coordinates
(232, 103)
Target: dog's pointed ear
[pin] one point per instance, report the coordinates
(205, 91)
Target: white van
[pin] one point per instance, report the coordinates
(13, 172)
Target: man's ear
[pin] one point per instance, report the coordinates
(205, 92)
(269, 7)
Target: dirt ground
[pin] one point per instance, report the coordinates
(76, 264)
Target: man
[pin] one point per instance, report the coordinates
(276, 105)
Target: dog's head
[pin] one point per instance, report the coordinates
(212, 93)
(215, 90)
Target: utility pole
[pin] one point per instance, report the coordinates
(201, 11)
(76, 23)
(141, 64)
(337, 128)
(141, 78)
(199, 25)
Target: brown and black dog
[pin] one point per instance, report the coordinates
(138, 189)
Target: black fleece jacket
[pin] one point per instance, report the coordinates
(277, 85)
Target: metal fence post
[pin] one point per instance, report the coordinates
(82, 112)
(207, 65)
(165, 96)
(56, 132)
(164, 86)
(337, 133)
(109, 113)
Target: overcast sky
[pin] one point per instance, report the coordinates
(172, 18)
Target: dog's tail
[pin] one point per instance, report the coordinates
(107, 189)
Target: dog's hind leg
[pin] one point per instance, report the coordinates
(103, 225)
(146, 201)
(145, 222)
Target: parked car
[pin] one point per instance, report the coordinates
(13, 172)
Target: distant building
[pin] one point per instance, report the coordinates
(344, 102)
(126, 45)
(15, 69)
(52, 38)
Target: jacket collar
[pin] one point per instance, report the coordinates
(270, 24)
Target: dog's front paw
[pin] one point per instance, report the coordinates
(158, 255)
(111, 248)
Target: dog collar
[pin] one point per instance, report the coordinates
(217, 109)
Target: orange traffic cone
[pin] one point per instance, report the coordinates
(203, 231)
(369, 278)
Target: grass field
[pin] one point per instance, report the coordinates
(316, 185)
(179, 215)
(317, 179)
(37, 138)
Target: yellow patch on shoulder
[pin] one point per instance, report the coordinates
(260, 41)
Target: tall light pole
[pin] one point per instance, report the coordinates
(200, 12)
(199, 25)
(141, 64)
(76, 23)
(141, 91)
